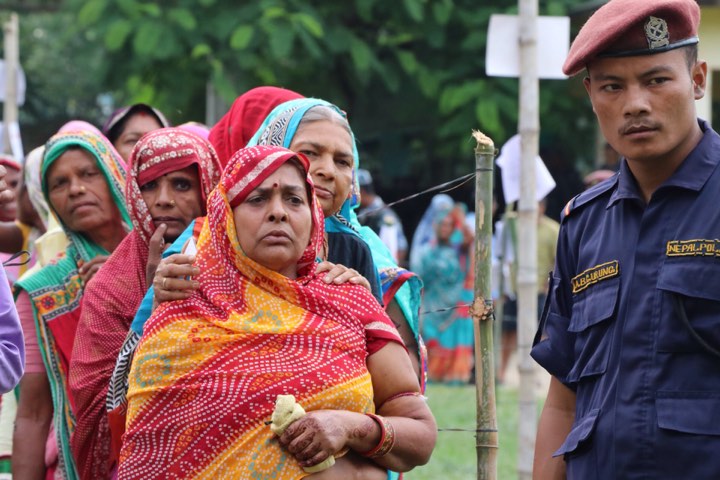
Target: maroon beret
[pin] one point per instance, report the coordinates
(624, 28)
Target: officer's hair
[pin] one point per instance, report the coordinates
(323, 112)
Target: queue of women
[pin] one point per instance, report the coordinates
(182, 280)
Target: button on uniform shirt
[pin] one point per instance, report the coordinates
(633, 324)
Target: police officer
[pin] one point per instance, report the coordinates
(631, 331)
(381, 219)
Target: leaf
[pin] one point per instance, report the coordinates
(117, 34)
(364, 9)
(206, 3)
(146, 39)
(91, 12)
(281, 41)
(274, 12)
(130, 8)
(361, 54)
(429, 82)
(455, 97)
(408, 62)
(310, 23)
(151, 9)
(442, 10)
(183, 17)
(241, 37)
(311, 45)
(391, 78)
(200, 50)
(475, 40)
(487, 113)
(415, 9)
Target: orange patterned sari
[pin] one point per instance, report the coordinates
(208, 370)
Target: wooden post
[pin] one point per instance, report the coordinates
(487, 436)
(527, 235)
(12, 61)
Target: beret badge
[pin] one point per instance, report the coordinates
(656, 33)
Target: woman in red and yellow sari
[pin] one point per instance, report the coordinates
(208, 370)
(171, 173)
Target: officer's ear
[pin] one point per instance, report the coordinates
(699, 78)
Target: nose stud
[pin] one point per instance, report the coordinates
(172, 203)
(82, 188)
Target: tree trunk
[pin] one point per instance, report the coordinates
(527, 235)
(487, 437)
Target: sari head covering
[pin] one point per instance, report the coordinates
(31, 177)
(56, 291)
(398, 284)
(208, 369)
(233, 131)
(79, 126)
(117, 289)
(116, 123)
(197, 128)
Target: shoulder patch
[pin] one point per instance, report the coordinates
(588, 196)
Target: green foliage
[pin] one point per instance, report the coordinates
(411, 74)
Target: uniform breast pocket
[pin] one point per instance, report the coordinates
(690, 306)
(592, 321)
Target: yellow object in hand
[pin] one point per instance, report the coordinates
(287, 410)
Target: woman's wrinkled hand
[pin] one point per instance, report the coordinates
(173, 278)
(338, 274)
(314, 437)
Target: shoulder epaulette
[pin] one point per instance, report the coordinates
(588, 196)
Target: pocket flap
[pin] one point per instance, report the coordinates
(594, 305)
(580, 432)
(692, 277)
(689, 412)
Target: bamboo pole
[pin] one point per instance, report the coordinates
(487, 436)
(527, 235)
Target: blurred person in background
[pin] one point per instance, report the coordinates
(128, 124)
(382, 219)
(447, 269)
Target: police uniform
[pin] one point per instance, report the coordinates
(632, 323)
(647, 381)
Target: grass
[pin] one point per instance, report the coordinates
(455, 455)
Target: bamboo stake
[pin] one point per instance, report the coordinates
(527, 235)
(487, 436)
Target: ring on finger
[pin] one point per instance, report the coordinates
(163, 283)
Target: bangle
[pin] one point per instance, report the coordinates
(387, 438)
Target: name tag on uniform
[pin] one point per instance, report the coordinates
(691, 248)
(594, 275)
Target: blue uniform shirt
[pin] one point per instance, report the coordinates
(647, 384)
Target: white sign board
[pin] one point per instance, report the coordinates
(502, 58)
(509, 163)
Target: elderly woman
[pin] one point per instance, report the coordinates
(82, 180)
(171, 173)
(209, 369)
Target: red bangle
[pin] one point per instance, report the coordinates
(387, 437)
